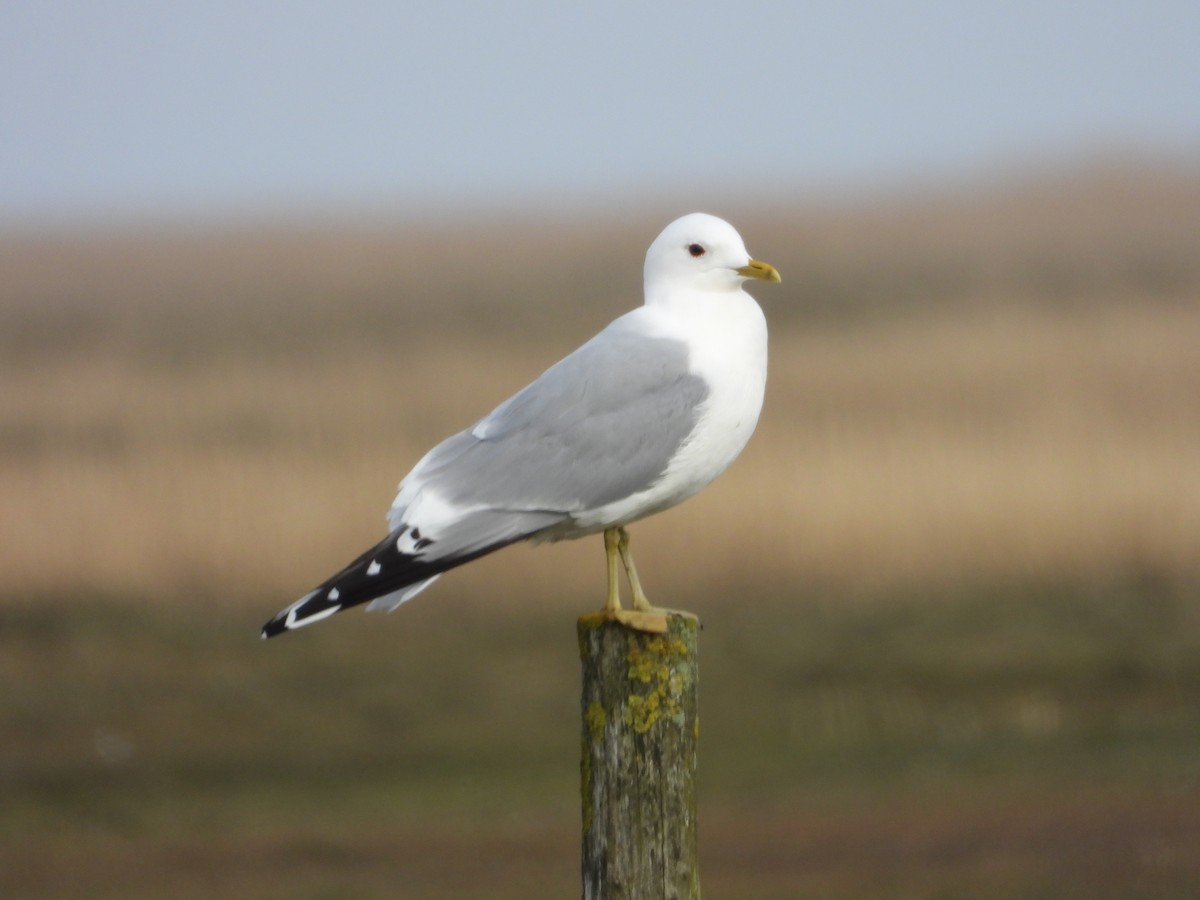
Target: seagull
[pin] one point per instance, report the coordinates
(636, 420)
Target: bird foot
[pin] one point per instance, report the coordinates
(650, 621)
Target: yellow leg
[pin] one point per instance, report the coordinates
(612, 605)
(635, 586)
(643, 617)
(641, 605)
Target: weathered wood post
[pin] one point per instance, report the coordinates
(638, 766)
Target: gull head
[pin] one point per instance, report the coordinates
(699, 252)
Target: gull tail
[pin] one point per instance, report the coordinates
(402, 565)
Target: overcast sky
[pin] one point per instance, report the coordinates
(202, 109)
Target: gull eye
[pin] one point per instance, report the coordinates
(696, 250)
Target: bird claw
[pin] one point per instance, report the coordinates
(649, 621)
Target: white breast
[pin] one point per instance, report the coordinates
(727, 344)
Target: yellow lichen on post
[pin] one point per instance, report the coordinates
(596, 719)
(638, 764)
(661, 664)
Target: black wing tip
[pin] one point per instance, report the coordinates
(382, 570)
(272, 628)
(297, 616)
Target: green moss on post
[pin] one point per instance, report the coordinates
(638, 766)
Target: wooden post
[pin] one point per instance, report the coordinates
(638, 766)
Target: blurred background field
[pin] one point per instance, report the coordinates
(951, 590)
(256, 258)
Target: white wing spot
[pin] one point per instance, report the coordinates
(293, 622)
(374, 568)
(334, 593)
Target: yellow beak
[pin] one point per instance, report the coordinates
(757, 269)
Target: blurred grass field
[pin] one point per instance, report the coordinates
(950, 590)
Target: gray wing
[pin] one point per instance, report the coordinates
(598, 426)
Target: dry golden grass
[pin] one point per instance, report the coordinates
(1020, 444)
(985, 398)
(964, 389)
